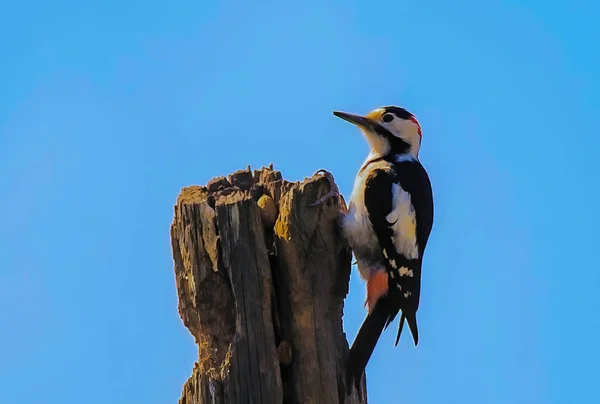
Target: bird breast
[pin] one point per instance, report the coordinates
(357, 226)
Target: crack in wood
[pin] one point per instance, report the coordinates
(263, 300)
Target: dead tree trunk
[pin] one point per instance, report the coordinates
(261, 279)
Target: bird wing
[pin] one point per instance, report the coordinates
(413, 179)
(399, 206)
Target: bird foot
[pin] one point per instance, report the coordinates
(326, 198)
(333, 194)
(332, 202)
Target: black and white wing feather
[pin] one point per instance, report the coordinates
(400, 207)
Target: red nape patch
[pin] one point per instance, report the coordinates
(412, 118)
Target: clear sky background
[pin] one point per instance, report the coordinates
(108, 109)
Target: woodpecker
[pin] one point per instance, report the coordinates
(387, 225)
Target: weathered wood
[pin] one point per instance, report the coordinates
(261, 278)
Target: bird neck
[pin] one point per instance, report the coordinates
(374, 158)
(407, 155)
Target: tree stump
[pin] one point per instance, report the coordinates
(261, 278)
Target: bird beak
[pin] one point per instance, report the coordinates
(357, 120)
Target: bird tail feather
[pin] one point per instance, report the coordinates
(365, 341)
(411, 319)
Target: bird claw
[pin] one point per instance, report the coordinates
(326, 197)
(333, 194)
(333, 201)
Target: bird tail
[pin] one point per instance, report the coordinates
(364, 343)
(411, 319)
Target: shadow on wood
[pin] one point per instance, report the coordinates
(261, 278)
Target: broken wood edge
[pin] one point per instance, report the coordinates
(203, 277)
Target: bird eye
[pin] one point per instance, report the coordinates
(388, 118)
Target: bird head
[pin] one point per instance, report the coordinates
(389, 130)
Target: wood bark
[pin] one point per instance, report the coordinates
(261, 278)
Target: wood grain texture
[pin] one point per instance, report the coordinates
(261, 287)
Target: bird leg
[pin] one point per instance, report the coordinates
(334, 190)
(332, 198)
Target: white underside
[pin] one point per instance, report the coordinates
(359, 231)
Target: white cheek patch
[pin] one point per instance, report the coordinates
(404, 221)
(408, 131)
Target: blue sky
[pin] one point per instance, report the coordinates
(108, 108)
